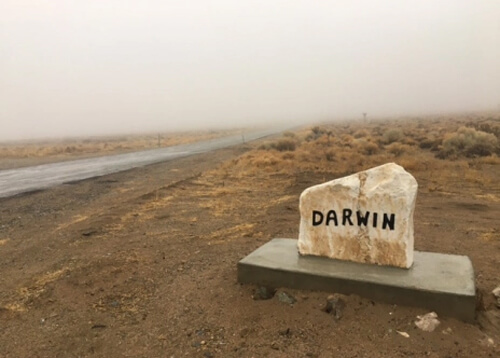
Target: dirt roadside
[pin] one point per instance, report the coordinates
(143, 264)
(17, 154)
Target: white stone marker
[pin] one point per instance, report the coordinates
(365, 217)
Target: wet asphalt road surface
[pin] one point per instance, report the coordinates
(22, 180)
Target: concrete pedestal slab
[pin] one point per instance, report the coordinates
(438, 282)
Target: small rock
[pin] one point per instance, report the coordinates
(427, 322)
(285, 332)
(208, 354)
(114, 304)
(496, 293)
(285, 297)
(334, 305)
(404, 334)
(447, 331)
(200, 332)
(488, 342)
(89, 232)
(275, 346)
(263, 293)
(98, 325)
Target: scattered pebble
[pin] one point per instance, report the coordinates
(96, 326)
(89, 232)
(285, 332)
(334, 305)
(285, 297)
(487, 342)
(427, 322)
(263, 293)
(447, 331)
(404, 334)
(496, 293)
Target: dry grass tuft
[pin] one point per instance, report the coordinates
(492, 159)
(15, 307)
(27, 294)
(76, 219)
(492, 235)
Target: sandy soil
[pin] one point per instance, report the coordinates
(143, 263)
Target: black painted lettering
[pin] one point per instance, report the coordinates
(346, 216)
(332, 215)
(389, 221)
(362, 220)
(317, 217)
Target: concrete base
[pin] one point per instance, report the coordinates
(438, 282)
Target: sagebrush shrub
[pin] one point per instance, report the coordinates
(392, 135)
(468, 142)
(397, 148)
(285, 145)
(432, 144)
(361, 133)
(316, 132)
(366, 147)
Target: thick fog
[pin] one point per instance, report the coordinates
(70, 67)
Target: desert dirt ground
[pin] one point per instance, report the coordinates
(143, 263)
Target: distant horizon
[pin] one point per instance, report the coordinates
(249, 127)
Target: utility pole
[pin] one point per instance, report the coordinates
(364, 116)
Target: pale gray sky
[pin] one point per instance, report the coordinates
(75, 67)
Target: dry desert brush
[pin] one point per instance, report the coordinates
(468, 142)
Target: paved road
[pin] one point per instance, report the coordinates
(16, 181)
